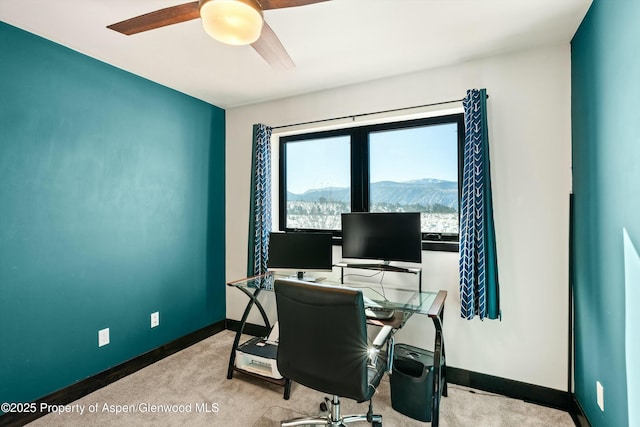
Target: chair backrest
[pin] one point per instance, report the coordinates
(323, 337)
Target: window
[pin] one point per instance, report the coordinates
(317, 182)
(393, 167)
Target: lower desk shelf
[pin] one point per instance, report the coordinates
(285, 382)
(259, 357)
(256, 358)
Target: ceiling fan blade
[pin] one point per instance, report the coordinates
(271, 49)
(279, 4)
(159, 18)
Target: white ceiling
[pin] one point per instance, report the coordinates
(333, 44)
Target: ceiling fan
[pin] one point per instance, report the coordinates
(236, 22)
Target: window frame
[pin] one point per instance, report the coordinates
(359, 174)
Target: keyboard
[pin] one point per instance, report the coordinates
(374, 310)
(379, 313)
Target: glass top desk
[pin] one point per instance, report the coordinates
(404, 301)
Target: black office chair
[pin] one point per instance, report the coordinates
(323, 345)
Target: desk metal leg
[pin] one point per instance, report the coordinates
(253, 300)
(287, 388)
(436, 313)
(440, 367)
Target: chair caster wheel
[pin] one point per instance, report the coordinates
(323, 407)
(376, 424)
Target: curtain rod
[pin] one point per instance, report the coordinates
(354, 116)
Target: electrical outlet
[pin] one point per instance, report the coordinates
(600, 395)
(103, 337)
(155, 319)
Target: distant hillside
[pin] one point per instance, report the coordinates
(425, 192)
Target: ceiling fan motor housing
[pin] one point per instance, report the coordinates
(234, 22)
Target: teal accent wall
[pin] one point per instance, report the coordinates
(606, 184)
(111, 208)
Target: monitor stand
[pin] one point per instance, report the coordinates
(301, 276)
(385, 266)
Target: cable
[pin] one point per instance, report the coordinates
(364, 275)
(363, 286)
(382, 286)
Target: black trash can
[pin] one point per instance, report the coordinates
(411, 381)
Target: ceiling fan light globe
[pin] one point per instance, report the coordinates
(235, 22)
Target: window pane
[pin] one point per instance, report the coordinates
(317, 182)
(416, 169)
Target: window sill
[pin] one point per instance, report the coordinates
(440, 246)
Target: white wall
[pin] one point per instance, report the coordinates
(530, 137)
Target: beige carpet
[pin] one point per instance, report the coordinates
(190, 388)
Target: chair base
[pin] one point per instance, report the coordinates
(334, 419)
(327, 421)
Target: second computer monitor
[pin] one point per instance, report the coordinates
(300, 252)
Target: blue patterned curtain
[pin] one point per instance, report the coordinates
(478, 262)
(260, 209)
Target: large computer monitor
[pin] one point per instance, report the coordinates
(299, 252)
(382, 236)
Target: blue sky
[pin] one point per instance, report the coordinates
(398, 155)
